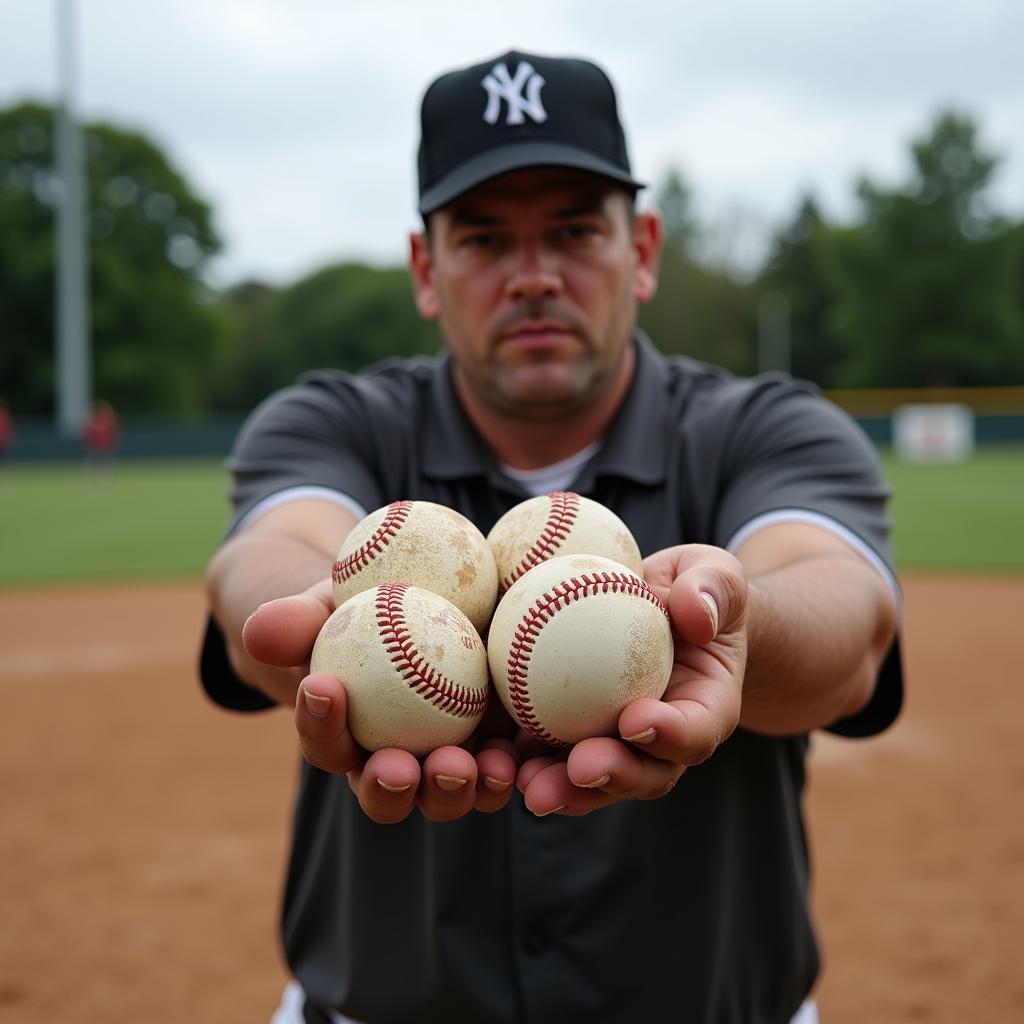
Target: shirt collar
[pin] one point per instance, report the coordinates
(629, 449)
(452, 450)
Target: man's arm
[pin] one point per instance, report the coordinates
(820, 620)
(288, 550)
(784, 637)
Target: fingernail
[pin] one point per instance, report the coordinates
(554, 810)
(712, 607)
(449, 783)
(495, 785)
(597, 783)
(393, 789)
(647, 736)
(317, 705)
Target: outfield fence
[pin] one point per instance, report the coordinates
(998, 419)
(998, 412)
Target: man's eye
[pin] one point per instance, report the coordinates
(481, 240)
(578, 232)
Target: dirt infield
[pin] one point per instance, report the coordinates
(144, 830)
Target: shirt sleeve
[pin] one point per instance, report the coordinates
(791, 454)
(315, 435)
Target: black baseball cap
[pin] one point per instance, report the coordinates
(515, 111)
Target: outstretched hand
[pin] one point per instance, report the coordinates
(705, 591)
(388, 783)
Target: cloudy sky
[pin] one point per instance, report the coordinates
(297, 119)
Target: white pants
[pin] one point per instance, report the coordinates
(290, 1010)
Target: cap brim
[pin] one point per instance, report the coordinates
(516, 158)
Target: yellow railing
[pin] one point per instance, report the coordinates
(882, 401)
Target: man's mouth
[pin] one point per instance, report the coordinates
(536, 334)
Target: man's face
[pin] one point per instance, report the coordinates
(534, 278)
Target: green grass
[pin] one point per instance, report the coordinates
(163, 519)
(963, 516)
(135, 519)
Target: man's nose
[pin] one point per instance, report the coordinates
(535, 272)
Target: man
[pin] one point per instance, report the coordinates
(497, 883)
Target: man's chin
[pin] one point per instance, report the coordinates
(544, 388)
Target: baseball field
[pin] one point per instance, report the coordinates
(144, 830)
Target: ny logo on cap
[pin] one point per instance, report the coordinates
(500, 85)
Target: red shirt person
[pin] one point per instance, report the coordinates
(102, 432)
(6, 429)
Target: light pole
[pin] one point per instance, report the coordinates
(773, 333)
(74, 365)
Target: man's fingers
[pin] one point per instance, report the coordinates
(448, 787)
(386, 785)
(283, 632)
(320, 719)
(708, 597)
(533, 766)
(550, 791)
(496, 765)
(684, 730)
(607, 765)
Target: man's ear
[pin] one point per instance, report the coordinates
(647, 237)
(421, 270)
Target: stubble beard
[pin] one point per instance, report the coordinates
(547, 385)
(543, 384)
(545, 391)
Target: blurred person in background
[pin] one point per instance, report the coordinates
(660, 875)
(102, 435)
(7, 432)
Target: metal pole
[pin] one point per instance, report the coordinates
(74, 365)
(773, 333)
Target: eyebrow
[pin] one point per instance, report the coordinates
(466, 216)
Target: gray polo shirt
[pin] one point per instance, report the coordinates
(691, 908)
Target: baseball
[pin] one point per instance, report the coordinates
(574, 641)
(425, 545)
(414, 668)
(560, 523)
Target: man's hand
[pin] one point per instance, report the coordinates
(705, 591)
(389, 783)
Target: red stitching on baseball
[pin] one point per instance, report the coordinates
(541, 612)
(395, 515)
(421, 676)
(561, 516)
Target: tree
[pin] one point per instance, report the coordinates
(345, 316)
(150, 238)
(243, 368)
(797, 269)
(926, 280)
(674, 201)
(699, 311)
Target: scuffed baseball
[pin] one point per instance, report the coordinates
(414, 668)
(560, 523)
(574, 641)
(425, 545)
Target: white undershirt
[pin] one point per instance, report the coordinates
(556, 477)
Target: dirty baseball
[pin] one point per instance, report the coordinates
(414, 668)
(424, 545)
(560, 523)
(574, 641)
